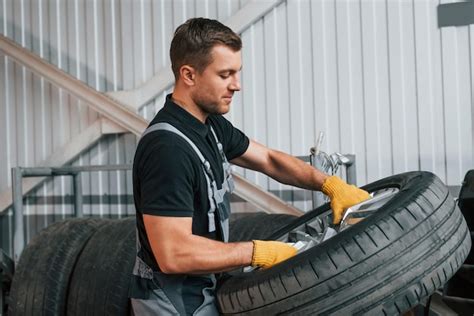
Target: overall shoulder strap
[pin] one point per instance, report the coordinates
(228, 181)
(219, 145)
(170, 128)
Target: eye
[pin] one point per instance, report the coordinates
(224, 75)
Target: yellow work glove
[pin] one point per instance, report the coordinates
(269, 253)
(342, 196)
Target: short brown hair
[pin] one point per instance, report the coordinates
(193, 41)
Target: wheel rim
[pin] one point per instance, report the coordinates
(320, 228)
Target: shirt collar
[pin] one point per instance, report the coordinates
(186, 118)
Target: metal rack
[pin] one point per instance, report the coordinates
(18, 173)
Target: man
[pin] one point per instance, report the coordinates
(182, 180)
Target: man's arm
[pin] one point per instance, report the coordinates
(177, 250)
(280, 166)
(290, 170)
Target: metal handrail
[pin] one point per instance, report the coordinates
(18, 173)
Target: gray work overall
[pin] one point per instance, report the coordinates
(166, 299)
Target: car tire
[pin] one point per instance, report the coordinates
(101, 279)
(383, 265)
(41, 278)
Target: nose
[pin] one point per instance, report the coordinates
(235, 84)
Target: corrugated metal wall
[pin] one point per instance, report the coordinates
(386, 84)
(378, 77)
(110, 45)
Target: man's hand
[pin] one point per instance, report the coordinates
(268, 253)
(342, 196)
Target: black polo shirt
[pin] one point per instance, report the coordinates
(168, 178)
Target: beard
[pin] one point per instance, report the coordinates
(209, 105)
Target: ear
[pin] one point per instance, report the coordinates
(187, 74)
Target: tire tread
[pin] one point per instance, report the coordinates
(405, 237)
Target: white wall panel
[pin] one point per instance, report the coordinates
(300, 80)
(350, 83)
(276, 86)
(402, 86)
(376, 91)
(457, 101)
(429, 89)
(325, 74)
(254, 121)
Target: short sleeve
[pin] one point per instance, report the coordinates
(235, 142)
(167, 181)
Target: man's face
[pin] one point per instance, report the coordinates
(216, 85)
